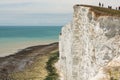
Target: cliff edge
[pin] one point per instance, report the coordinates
(90, 45)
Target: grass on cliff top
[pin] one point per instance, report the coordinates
(102, 11)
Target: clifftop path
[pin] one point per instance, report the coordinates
(100, 11)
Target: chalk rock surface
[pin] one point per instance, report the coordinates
(90, 45)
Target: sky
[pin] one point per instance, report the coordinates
(42, 12)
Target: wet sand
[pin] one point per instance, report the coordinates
(14, 47)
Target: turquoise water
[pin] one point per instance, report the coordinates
(42, 32)
(15, 37)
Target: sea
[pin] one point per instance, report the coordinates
(16, 38)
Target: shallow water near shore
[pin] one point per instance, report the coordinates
(16, 38)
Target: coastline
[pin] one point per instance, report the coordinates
(15, 38)
(10, 48)
(30, 62)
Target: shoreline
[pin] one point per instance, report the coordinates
(14, 47)
(26, 61)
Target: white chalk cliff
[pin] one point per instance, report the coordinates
(90, 45)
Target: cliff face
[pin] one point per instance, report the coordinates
(90, 46)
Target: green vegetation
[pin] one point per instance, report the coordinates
(104, 11)
(41, 69)
(114, 73)
(36, 71)
(52, 75)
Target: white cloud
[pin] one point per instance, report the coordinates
(24, 7)
(49, 6)
(42, 6)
